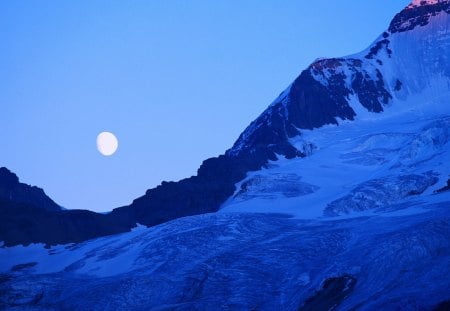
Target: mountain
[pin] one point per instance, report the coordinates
(13, 191)
(336, 197)
(28, 215)
(384, 79)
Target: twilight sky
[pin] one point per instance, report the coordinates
(176, 81)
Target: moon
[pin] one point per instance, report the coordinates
(107, 143)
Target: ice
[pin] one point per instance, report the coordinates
(381, 193)
(241, 261)
(349, 155)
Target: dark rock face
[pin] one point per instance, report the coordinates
(416, 16)
(371, 93)
(334, 290)
(12, 190)
(319, 96)
(443, 306)
(28, 215)
(445, 188)
(25, 224)
(379, 46)
(202, 193)
(308, 104)
(7, 179)
(398, 85)
(313, 105)
(23, 266)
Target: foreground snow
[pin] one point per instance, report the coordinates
(243, 261)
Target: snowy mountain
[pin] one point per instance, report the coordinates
(384, 82)
(382, 115)
(336, 197)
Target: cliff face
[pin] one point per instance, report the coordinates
(28, 215)
(13, 191)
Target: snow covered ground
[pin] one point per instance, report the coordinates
(242, 261)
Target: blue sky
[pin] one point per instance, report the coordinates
(176, 81)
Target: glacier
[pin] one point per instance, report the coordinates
(243, 261)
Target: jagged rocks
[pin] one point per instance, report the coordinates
(14, 191)
(445, 188)
(417, 15)
(333, 291)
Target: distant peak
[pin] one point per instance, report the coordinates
(418, 14)
(416, 3)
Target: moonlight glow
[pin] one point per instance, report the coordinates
(107, 143)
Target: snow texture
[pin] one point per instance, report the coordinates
(240, 261)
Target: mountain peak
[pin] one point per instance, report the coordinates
(416, 3)
(417, 14)
(12, 190)
(7, 178)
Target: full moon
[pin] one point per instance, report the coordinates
(107, 143)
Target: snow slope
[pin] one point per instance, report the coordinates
(242, 261)
(362, 151)
(399, 133)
